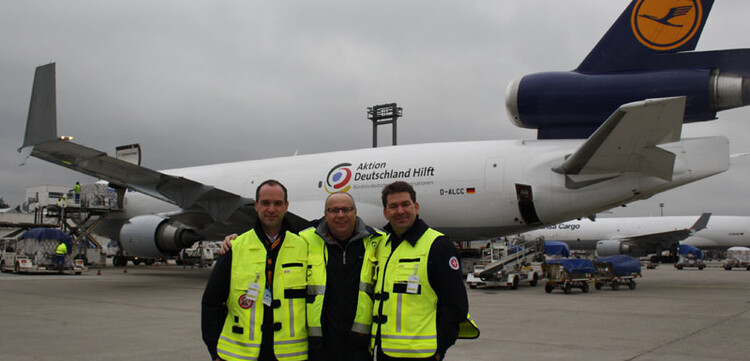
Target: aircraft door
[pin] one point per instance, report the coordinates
(526, 204)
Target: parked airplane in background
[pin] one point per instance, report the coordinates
(468, 190)
(641, 236)
(647, 53)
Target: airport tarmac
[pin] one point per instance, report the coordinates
(153, 312)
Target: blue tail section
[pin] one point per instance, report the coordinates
(647, 53)
(647, 28)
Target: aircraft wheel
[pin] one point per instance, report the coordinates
(631, 285)
(585, 288)
(548, 288)
(567, 288)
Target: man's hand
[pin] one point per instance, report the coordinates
(226, 245)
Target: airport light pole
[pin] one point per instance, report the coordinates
(383, 114)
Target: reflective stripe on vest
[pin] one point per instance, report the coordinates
(241, 336)
(408, 322)
(318, 257)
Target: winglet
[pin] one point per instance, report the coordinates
(701, 223)
(41, 125)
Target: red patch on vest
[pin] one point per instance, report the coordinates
(245, 301)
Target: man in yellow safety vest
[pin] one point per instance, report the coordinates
(254, 305)
(420, 299)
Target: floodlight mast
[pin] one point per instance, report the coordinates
(383, 114)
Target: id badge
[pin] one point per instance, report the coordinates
(253, 291)
(267, 298)
(413, 285)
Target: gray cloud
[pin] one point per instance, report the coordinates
(215, 81)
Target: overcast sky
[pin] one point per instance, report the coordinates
(199, 82)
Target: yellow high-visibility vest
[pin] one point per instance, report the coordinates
(241, 336)
(408, 321)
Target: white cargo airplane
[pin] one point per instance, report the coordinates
(640, 236)
(468, 190)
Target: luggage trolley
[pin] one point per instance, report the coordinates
(567, 273)
(616, 270)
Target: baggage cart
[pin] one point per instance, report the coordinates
(568, 273)
(616, 270)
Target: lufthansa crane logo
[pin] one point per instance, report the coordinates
(338, 178)
(666, 24)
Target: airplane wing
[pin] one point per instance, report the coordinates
(669, 239)
(628, 142)
(208, 210)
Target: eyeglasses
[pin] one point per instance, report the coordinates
(346, 210)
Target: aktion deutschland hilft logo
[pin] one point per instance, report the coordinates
(666, 24)
(338, 178)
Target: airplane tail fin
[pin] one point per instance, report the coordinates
(647, 28)
(41, 124)
(701, 223)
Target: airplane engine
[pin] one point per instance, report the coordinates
(573, 105)
(154, 236)
(611, 247)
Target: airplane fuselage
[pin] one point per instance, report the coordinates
(468, 190)
(721, 233)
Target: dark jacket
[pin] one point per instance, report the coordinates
(343, 267)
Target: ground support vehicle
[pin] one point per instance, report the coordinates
(616, 270)
(34, 252)
(689, 256)
(200, 254)
(737, 257)
(507, 263)
(568, 273)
